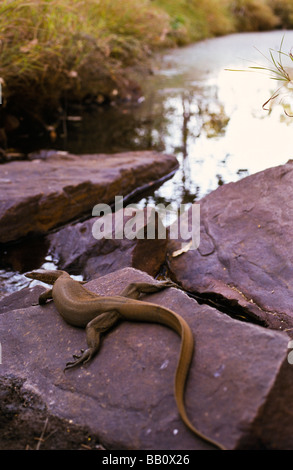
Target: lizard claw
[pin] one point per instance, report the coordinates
(168, 283)
(77, 356)
(80, 359)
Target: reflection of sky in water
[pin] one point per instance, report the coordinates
(227, 134)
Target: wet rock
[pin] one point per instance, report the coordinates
(3, 154)
(238, 391)
(41, 194)
(244, 260)
(77, 248)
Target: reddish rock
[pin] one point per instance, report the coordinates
(23, 298)
(39, 195)
(78, 250)
(244, 260)
(239, 389)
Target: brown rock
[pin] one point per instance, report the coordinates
(41, 194)
(23, 298)
(238, 391)
(78, 250)
(244, 260)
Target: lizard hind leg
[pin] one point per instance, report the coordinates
(133, 290)
(43, 297)
(100, 324)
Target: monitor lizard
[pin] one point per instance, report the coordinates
(82, 308)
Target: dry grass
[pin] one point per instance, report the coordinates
(51, 48)
(282, 73)
(67, 49)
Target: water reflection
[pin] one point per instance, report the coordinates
(217, 117)
(212, 119)
(19, 258)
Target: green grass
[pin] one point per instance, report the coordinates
(253, 15)
(198, 19)
(51, 49)
(279, 72)
(68, 49)
(283, 9)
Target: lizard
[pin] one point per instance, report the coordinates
(83, 308)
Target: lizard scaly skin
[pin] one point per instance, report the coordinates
(83, 308)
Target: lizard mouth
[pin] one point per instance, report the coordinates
(44, 275)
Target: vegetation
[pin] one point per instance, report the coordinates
(197, 19)
(51, 48)
(283, 9)
(281, 73)
(53, 51)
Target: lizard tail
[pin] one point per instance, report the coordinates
(156, 314)
(182, 371)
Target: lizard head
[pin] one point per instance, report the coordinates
(44, 275)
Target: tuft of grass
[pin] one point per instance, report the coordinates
(279, 72)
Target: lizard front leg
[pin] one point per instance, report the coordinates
(133, 290)
(44, 296)
(94, 329)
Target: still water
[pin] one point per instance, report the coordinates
(209, 117)
(213, 118)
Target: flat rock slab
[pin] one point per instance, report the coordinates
(239, 389)
(41, 194)
(245, 256)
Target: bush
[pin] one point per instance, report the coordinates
(253, 15)
(196, 19)
(283, 9)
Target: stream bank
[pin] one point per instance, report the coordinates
(83, 52)
(239, 388)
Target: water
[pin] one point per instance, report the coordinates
(210, 118)
(214, 117)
